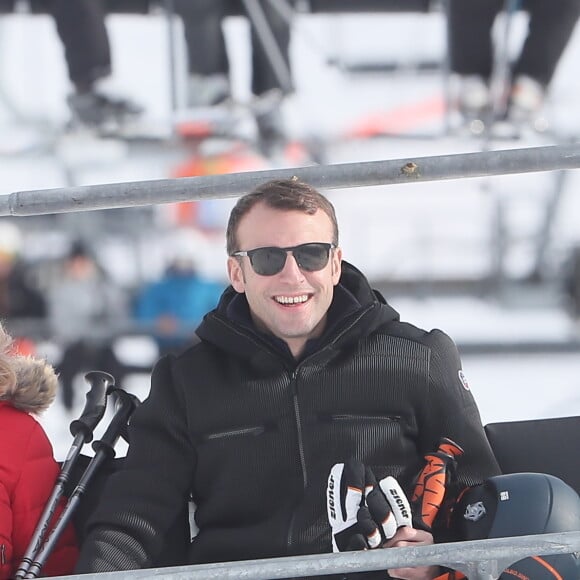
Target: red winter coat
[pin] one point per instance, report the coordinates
(28, 472)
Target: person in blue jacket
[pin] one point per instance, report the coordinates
(174, 305)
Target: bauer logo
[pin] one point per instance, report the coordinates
(463, 380)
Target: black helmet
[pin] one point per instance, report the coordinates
(522, 504)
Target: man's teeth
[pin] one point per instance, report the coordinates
(291, 299)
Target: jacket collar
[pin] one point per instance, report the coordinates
(356, 310)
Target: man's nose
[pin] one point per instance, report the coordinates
(291, 268)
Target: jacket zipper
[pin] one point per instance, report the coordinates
(2, 554)
(293, 377)
(299, 430)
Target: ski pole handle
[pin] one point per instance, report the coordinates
(100, 385)
(104, 448)
(82, 430)
(126, 404)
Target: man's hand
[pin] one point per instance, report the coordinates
(407, 536)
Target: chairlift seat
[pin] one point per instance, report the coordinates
(541, 445)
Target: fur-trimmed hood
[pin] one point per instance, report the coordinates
(35, 386)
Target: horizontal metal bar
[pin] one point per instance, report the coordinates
(518, 346)
(478, 558)
(397, 171)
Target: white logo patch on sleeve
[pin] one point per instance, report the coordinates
(463, 380)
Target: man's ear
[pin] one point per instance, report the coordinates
(236, 275)
(336, 264)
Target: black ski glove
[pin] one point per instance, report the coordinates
(362, 512)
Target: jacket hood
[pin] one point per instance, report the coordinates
(35, 386)
(366, 311)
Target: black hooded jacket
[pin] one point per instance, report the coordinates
(251, 433)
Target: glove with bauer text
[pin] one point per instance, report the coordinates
(362, 512)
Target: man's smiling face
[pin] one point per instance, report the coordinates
(292, 304)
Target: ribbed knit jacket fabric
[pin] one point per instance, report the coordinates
(252, 433)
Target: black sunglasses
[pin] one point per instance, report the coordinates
(269, 261)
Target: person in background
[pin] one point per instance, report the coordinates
(28, 470)
(81, 28)
(19, 297)
(302, 365)
(174, 305)
(209, 71)
(85, 310)
(550, 28)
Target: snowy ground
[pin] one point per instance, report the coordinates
(426, 231)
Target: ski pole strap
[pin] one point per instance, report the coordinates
(431, 483)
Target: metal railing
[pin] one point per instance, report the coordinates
(479, 560)
(345, 175)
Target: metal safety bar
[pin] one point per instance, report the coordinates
(345, 175)
(478, 559)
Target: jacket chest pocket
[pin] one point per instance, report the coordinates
(382, 428)
(233, 433)
(374, 438)
(365, 418)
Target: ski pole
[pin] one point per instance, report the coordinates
(82, 431)
(104, 449)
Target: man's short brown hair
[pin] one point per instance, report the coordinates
(284, 194)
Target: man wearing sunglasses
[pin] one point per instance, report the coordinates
(301, 366)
